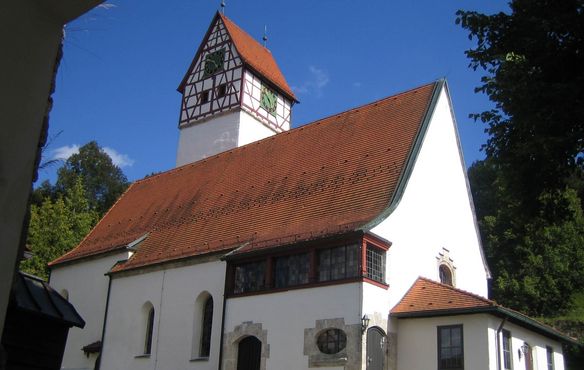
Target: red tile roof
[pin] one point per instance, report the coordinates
(256, 56)
(332, 176)
(427, 295)
(253, 55)
(428, 298)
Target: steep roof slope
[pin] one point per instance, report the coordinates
(329, 177)
(254, 55)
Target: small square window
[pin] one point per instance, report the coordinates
(204, 97)
(222, 90)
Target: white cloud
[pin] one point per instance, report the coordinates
(319, 78)
(64, 152)
(119, 159)
(107, 6)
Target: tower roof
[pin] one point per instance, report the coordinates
(336, 175)
(253, 54)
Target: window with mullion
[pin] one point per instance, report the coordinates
(375, 263)
(250, 277)
(338, 263)
(291, 270)
(450, 348)
(507, 363)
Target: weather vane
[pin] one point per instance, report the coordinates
(223, 6)
(265, 38)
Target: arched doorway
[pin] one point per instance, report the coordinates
(375, 349)
(249, 352)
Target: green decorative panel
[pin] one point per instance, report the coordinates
(268, 101)
(214, 62)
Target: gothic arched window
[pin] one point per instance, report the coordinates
(445, 275)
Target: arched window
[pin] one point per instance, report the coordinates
(206, 328)
(445, 275)
(149, 330)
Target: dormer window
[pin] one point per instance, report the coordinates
(446, 268)
(445, 275)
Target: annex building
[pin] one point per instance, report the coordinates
(348, 243)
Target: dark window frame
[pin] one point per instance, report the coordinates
(507, 350)
(458, 362)
(149, 331)
(206, 328)
(549, 357)
(221, 90)
(331, 341)
(204, 97)
(312, 248)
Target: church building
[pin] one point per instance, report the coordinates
(347, 243)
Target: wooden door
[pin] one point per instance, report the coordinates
(528, 357)
(375, 349)
(249, 354)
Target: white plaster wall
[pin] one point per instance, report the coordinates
(285, 315)
(87, 287)
(207, 138)
(519, 336)
(417, 346)
(172, 292)
(250, 130)
(435, 212)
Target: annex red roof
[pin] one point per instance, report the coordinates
(428, 295)
(254, 55)
(428, 298)
(329, 177)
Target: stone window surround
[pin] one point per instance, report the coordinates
(349, 357)
(232, 339)
(444, 258)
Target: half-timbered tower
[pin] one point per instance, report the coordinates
(233, 94)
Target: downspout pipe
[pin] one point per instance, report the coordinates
(107, 300)
(498, 342)
(223, 317)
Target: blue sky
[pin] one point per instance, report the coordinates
(124, 60)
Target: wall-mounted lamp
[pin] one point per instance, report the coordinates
(364, 323)
(523, 350)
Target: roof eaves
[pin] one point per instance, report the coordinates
(411, 159)
(497, 310)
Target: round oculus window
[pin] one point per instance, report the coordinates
(331, 341)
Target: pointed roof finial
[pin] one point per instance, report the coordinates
(223, 7)
(265, 38)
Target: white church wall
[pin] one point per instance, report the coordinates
(284, 316)
(520, 336)
(250, 130)
(418, 342)
(435, 212)
(86, 286)
(173, 293)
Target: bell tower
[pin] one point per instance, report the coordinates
(232, 94)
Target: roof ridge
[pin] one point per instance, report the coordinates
(292, 130)
(226, 18)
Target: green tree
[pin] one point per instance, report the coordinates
(56, 226)
(103, 181)
(533, 60)
(537, 261)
